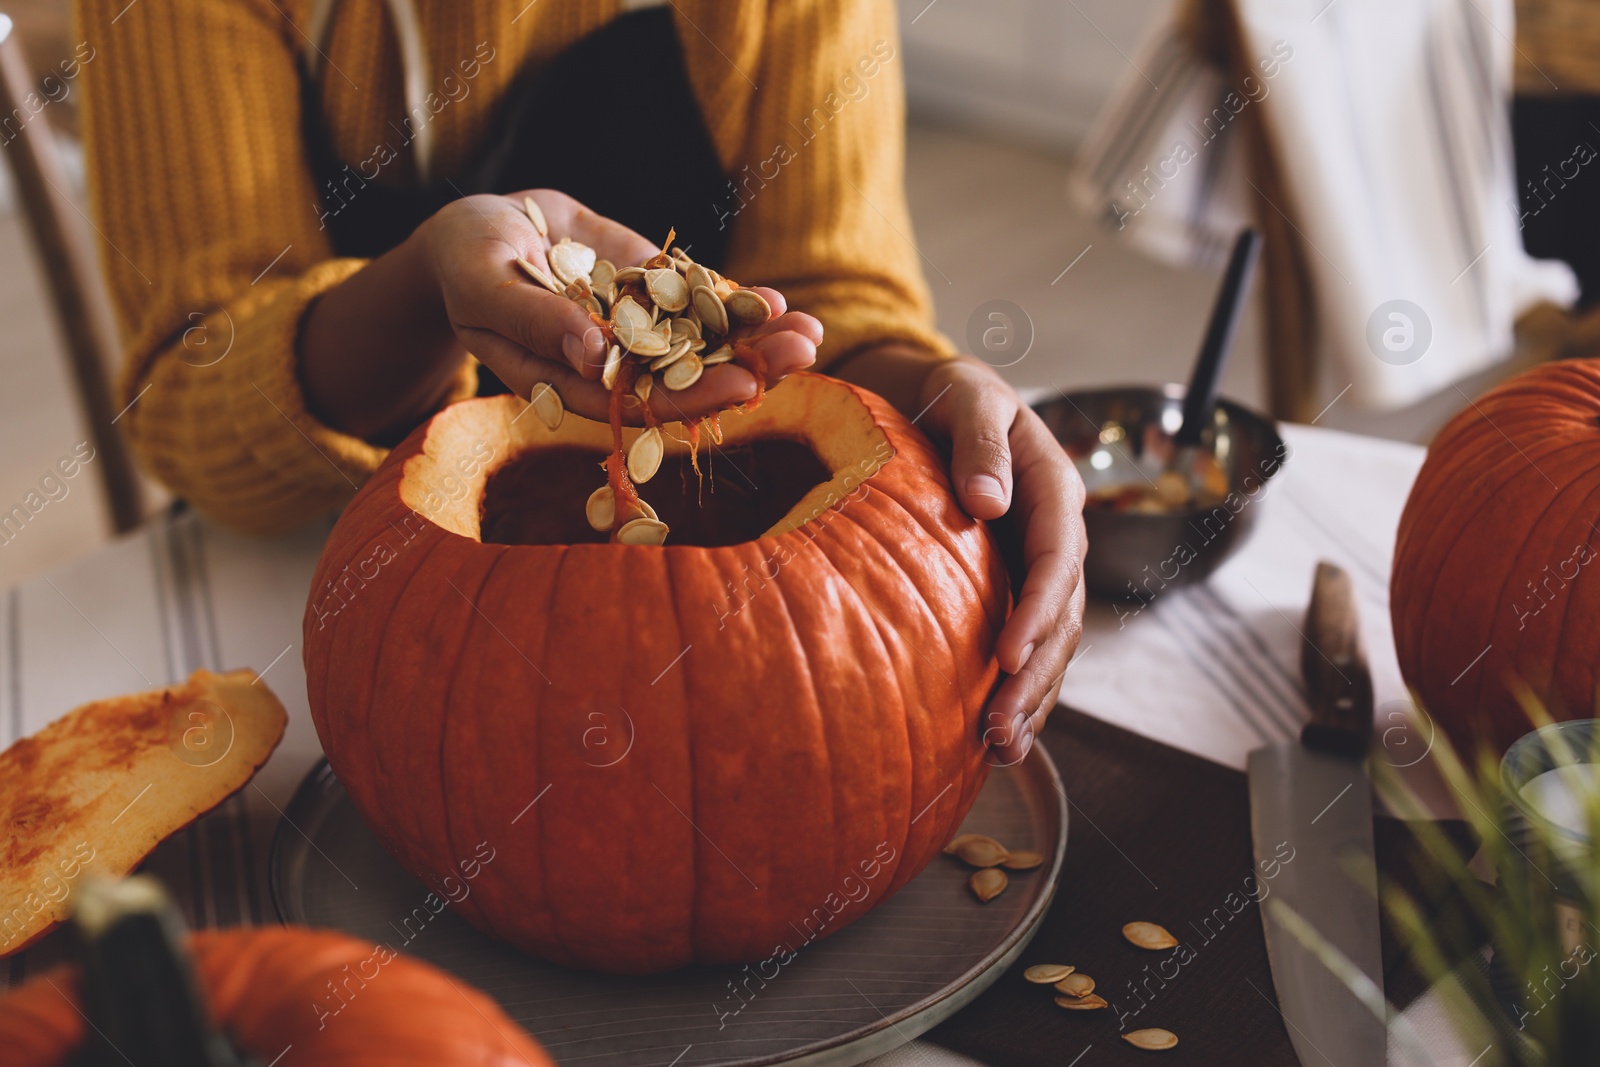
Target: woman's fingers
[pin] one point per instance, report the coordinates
(1018, 711)
(566, 217)
(785, 353)
(1049, 513)
(976, 410)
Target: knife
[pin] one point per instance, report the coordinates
(1314, 797)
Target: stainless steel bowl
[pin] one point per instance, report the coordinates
(1123, 436)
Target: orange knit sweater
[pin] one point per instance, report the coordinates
(201, 188)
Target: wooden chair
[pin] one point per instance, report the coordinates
(82, 305)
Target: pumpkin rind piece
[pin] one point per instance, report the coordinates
(102, 786)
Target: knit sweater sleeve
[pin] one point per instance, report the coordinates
(214, 248)
(817, 201)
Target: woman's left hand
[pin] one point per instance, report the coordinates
(1004, 462)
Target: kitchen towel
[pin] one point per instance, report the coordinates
(1390, 125)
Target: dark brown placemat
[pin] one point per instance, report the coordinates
(1160, 835)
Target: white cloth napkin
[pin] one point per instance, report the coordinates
(1390, 123)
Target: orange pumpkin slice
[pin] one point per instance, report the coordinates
(102, 786)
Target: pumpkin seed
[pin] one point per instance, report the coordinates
(642, 386)
(981, 852)
(675, 353)
(667, 289)
(1154, 1039)
(608, 374)
(712, 313)
(627, 312)
(684, 373)
(961, 839)
(643, 532)
(570, 259)
(603, 274)
(538, 275)
(697, 277)
(1048, 973)
(644, 455)
(640, 509)
(685, 330)
(1022, 861)
(987, 883)
(546, 404)
(536, 216)
(1149, 936)
(747, 306)
(601, 509)
(1092, 1002)
(721, 355)
(644, 342)
(1076, 984)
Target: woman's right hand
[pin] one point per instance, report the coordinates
(527, 334)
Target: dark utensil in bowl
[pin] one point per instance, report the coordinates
(1124, 436)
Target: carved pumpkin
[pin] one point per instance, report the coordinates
(1493, 568)
(683, 753)
(332, 999)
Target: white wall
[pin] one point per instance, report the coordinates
(1035, 70)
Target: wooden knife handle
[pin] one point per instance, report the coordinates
(1335, 668)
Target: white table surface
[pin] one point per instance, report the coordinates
(1212, 669)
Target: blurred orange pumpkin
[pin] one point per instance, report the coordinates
(1494, 582)
(680, 753)
(332, 999)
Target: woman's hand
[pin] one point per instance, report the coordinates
(1004, 462)
(380, 351)
(528, 335)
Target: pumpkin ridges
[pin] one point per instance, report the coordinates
(731, 801)
(430, 760)
(1519, 458)
(906, 870)
(816, 723)
(319, 680)
(463, 838)
(853, 838)
(515, 759)
(814, 750)
(981, 686)
(1508, 464)
(1490, 670)
(1537, 545)
(630, 792)
(1440, 540)
(343, 740)
(915, 483)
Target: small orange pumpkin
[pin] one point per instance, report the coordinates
(1495, 580)
(332, 999)
(684, 753)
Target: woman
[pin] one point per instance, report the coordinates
(303, 202)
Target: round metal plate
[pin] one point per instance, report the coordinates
(903, 968)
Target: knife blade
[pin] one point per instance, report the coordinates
(1314, 797)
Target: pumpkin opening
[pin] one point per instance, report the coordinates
(745, 490)
(813, 442)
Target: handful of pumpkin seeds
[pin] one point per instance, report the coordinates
(659, 319)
